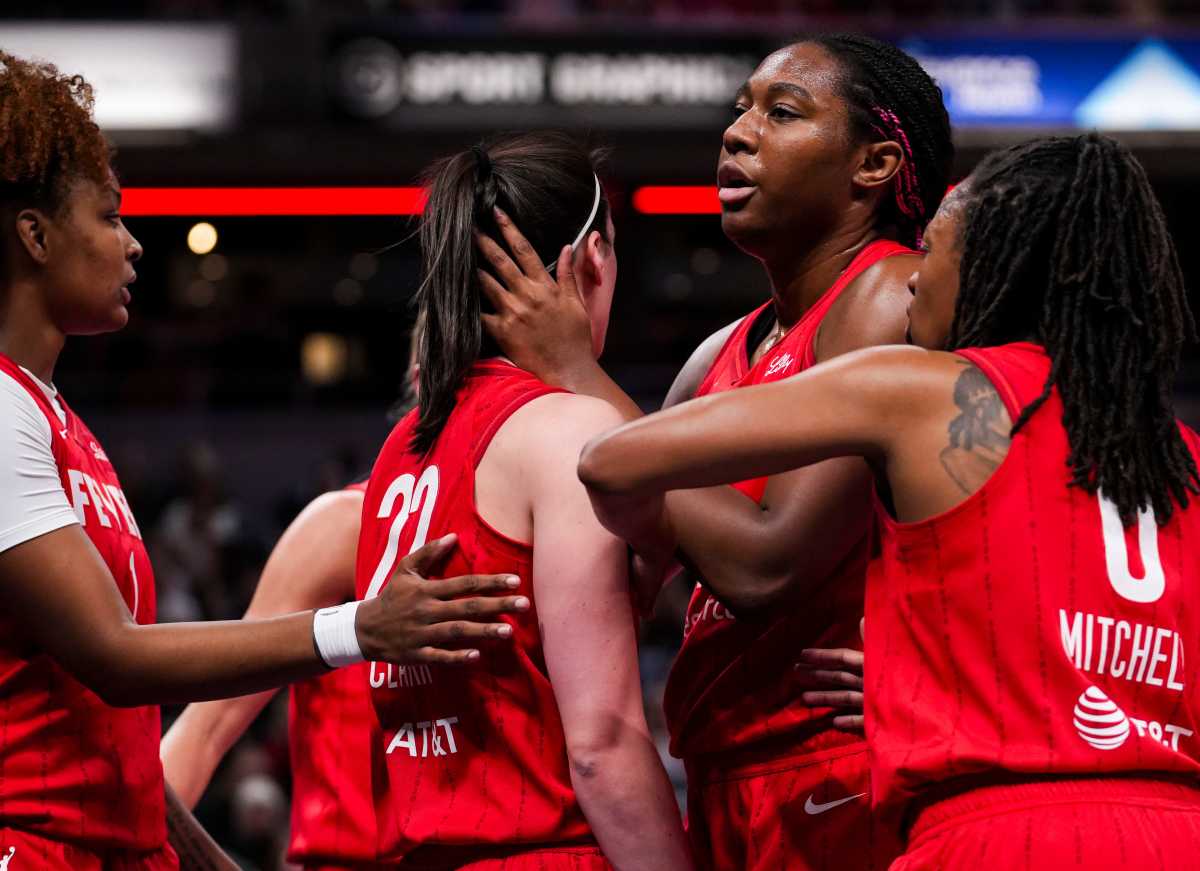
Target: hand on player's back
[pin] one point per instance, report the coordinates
(416, 619)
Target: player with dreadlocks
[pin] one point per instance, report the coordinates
(836, 157)
(1033, 611)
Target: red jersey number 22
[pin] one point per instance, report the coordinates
(414, 494)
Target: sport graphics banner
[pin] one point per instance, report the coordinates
(1129, 83)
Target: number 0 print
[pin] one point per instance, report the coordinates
(1145, 589)
(414, 494)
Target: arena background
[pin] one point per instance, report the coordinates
(258, 365)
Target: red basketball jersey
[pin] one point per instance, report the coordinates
(466, 760)
(1025, 631)
(71, 767)
(733, 683)
(329, 734)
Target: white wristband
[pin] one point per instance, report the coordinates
(335, 637)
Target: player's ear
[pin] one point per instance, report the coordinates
(880, 161)
(595, 261)
(30, 225)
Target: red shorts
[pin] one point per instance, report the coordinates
(24, 850)
(803, 813)
(564, 858)
(1098, 824)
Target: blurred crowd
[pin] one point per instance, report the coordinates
(666, 12)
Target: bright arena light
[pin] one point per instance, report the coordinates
(324, 357)
(202, 238)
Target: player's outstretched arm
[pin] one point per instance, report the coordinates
(311, 566)
(857, 405)
(588, 634)
(59, 592)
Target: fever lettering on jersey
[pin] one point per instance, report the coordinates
(104, 503)
(711, 610)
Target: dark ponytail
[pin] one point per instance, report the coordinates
(546, 183)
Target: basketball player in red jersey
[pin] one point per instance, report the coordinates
(80, 661)
(837, 156)
(1032, 614)
(544, 758)
(333, 818)
(333, 821)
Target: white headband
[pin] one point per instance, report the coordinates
(586, 224)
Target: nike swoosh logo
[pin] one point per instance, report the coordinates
(63, 433)
(812, 808)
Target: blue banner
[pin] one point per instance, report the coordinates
(1135, 83)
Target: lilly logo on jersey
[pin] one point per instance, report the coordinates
(779, 364)
(1099, 721)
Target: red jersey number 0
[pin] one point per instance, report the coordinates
(1143, 590)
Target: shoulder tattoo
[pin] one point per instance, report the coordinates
(978, 437)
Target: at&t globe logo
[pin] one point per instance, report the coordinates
(1099, 721)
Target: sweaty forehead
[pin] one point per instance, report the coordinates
(805, 64)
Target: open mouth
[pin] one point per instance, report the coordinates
(733, 185)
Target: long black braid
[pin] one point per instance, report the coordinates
(1065, 243)
(891, 97)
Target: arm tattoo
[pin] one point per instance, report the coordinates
(978, 438)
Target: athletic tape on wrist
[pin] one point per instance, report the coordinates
(335, 636)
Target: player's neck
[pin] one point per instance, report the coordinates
(800, 278)
(27, 335)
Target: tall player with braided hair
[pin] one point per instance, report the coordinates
(1033, 615)
(82, 665)
(836, 158)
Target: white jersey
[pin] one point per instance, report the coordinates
(32, 500)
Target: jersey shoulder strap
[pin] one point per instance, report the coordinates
(732, 353)
(499, 398)
(1017, 371)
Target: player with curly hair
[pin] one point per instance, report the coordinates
(82, 664)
